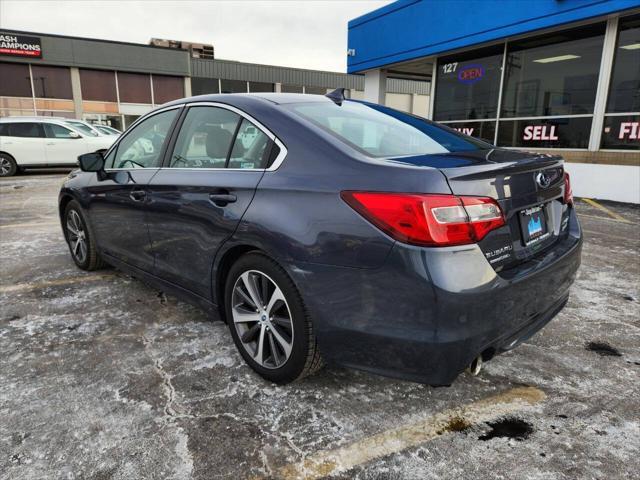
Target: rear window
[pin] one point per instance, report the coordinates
(22, 129)
(380, 131)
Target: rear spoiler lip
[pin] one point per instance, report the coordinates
(490, 170)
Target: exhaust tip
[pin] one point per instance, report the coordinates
(475, 367)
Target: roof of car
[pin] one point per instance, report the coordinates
(33, 119)
(276, 98)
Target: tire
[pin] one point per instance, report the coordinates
(80, 240)
(286, 323)
(8, 166)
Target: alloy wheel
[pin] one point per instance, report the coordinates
(262, 319)
(77, 236)
(5, 166)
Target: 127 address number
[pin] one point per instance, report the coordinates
(449, 67)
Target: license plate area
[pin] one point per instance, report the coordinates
(533, 225)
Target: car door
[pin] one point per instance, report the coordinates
(24, 141)
(63, 146)
(198, 198)
(117, 198)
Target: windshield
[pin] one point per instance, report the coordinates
(83, 128)
(107, 130)
(380, 131)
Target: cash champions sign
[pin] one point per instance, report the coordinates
(20, 45)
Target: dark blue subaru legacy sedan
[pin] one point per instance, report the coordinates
(327, 229)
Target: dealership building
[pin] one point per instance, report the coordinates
(113, 83)
(550, 76)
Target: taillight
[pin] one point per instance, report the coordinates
(568, 193)
(429, 220)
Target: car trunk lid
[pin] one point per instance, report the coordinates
(528, 186)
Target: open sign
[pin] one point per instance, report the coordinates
(471, 73)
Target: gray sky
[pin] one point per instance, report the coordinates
(304, 34)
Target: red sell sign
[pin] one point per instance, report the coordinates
(20, 45)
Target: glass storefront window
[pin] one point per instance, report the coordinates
(129, 120)
(554, 74)
(98, 85)
(234, 86)
(51, 82)
(483, 130)
(624, 89)
(315, 90)
(166, 88)
(621, 132)
(114, 121)
(468, 85)
(15, 80)
(260, 87)
(291, 88)
(572, 132)
(134, 87)
(203, 86)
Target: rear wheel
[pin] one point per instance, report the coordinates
(80, 240)
(268, 320)
(8, 166)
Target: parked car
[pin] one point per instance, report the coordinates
(343, 231)
(107, 130)
(88, 129)
(32, 142)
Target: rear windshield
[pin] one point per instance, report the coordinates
(380, 131)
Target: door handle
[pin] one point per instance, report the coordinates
(138, 195)
(222, 199)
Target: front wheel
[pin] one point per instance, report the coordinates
(8, 166)
(268, 320)
(80, 240)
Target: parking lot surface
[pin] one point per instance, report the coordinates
(103, 377)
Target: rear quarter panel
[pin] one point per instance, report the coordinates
(297, 214)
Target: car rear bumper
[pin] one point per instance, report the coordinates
(427, 313)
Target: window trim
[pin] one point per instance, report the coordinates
(243, 115)
(142, 118)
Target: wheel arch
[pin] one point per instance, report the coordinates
(63, 201)
(222, 267)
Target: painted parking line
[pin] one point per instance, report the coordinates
(30, 224)
(332, 462)
(611, 213)
(22, 287)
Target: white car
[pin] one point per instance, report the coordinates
(32, 142)
(88, 129)
(107, 130)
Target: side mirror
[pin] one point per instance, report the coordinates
(91, 162)
(73, 134)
